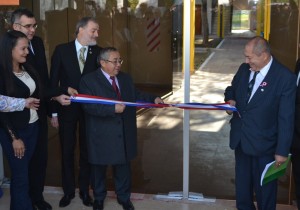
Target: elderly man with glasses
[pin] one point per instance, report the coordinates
(111, 129)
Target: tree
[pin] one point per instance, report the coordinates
(205, 31)
(133, 4)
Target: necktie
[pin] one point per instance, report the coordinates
(81, 58)
(115, 87)
(250, 86)
(30, 48)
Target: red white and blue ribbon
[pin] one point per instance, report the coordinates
(81, 98)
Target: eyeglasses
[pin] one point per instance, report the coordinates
(120, 61)
(28, 26)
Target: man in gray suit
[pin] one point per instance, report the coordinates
(263, 91)
(111, 129)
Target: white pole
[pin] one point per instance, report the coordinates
(186, 113)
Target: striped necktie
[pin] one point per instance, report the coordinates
(81, 58)
(251, 85)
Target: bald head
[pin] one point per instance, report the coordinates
(259, 45)
(257, 53)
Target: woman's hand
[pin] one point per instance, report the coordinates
(19, 148)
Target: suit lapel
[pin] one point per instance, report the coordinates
(245, 81)
(89, 61)
(73, 58)
(31, 56)
(243, 86)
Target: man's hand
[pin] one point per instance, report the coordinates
(63, 99)
(231, 103)
(158, 101)
(54, 122)
(32, 103)
(72, 91)
(119, 108)
(279, 160)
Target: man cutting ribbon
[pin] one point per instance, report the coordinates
(111, 128)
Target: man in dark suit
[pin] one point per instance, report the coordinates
(23, 20)
(111, 129)
(295, 149)
(263, 91)
(70, 61)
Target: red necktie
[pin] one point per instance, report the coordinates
(115, 87)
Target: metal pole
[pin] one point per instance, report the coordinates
(186, 113)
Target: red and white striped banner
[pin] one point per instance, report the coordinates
(153, 34)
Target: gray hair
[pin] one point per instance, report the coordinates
(83, 23)
(104, 53)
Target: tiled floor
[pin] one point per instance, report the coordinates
(140, 201)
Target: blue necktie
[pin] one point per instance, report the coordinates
(251, 85)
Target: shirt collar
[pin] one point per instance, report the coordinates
(266, 68)
(78, 45)
(106, 74)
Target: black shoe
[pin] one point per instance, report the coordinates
(42, 205)
(86, 198)
(98, 205)
(126, 205)
(66, 200)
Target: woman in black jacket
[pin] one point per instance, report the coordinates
(19, 130)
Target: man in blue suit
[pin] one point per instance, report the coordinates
(263, 91)
(295, 148)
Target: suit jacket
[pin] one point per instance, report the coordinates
(296, 140)
(38, 61)
(65, 72)
(111, 137)
(265, 125)
(20, 119)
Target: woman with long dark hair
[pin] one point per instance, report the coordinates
(19, 130)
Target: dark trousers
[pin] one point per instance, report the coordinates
(295, 158)
(38, 164)
(122, 179)
(248, 170)
(19, 185)
(67, 133)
